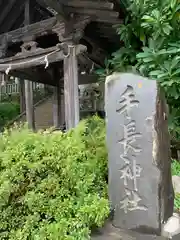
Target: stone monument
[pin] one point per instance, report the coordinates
(140, 184)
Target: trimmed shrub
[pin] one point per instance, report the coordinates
(8, 111)
(53, 186)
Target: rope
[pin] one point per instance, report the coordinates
(45, 58)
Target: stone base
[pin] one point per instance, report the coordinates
(108, 232)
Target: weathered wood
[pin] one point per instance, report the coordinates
(22, 95)
(57, 99)
(89, 4)
(99, 13)
(42, 28)
(57, 107)
(7, 10)
(71, 92)
(74, 29)
(28, 12)
(106, 19)
(30, 117)
(35, 58)
(57, 7)
(46, 78)
(36, 29)
(34, 76)
(13, 11)
(97, 53)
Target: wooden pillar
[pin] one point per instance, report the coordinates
(30, 117)
(22, 95)
(29, 104)
(57, 107)
(71, 88)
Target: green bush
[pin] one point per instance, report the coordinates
(176, 171)
(53, 186)
(175, 168)
(8, 111)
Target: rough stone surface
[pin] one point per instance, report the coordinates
(140, 181)
(176, 183)
(172, 227)
(108, 232)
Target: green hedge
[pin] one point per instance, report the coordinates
(53, 186)
(8, 111)
(176, 171)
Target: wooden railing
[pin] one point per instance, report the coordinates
(10, 89)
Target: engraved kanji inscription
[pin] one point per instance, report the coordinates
(127, 101)
(130, 171)
(130, 136)
(131, 202)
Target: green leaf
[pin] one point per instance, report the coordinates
(155, 73)
(143, 55)
(173, 3)
(177, 72)
(100, 71)
(167, 29)
(145, 25)
(148, 19)
(156, 13)
(148, 60)
(163, 75)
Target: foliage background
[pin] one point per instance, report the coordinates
(8, 111)
(150, 46)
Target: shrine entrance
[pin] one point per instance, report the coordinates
(58, 51)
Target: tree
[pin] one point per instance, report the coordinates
(151, 46)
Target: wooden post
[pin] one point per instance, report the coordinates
(22, 95)
(71, 88)
(30, 117)
(29, 104)
(57, 107)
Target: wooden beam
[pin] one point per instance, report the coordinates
(89, 4)
(36, 58)
(71, 91)
(44, 27)
(11, 14)
(92, 12)
(45, 78)
(36, 29)
(7, 9)
(98, 54)
(34, 76)
(97, 15)
(58, 9)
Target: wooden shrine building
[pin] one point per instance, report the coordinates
(53, 42)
